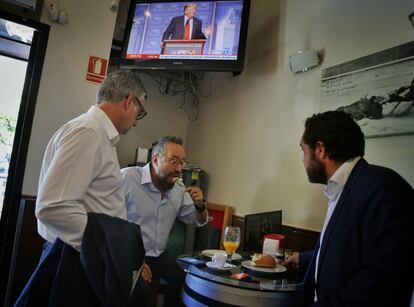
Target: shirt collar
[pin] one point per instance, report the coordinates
(338, 180)
(146, 174)
(107, 124)
(146, 179)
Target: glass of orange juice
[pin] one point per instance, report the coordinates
(231, 240)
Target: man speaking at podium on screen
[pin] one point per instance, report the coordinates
(187, 26)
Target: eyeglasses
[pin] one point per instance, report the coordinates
(141, 113)
(175, 161)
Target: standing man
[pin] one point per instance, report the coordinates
(186, 26)
(80, 206)
(80, 171)
(155, 197)
(364, 253)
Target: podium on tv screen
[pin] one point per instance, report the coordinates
(183, 47)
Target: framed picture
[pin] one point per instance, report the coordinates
(377, 90)
(259, 224)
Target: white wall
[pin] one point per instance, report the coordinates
(64, 93)
(164, 118)
(247, 137)
(248, 131)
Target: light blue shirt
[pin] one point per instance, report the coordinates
(333, 191)
(155, 215)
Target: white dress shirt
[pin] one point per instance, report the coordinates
(80, 173)
(155, 215)
(333, 191)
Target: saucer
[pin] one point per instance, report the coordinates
(226, 267)
(210, 253)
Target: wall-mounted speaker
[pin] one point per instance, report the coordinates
(303, 60)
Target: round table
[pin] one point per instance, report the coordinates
(206, 287)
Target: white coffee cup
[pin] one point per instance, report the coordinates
(219, 259)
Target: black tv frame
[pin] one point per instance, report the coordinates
(183, 64)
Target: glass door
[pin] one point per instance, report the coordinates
(11, 88)
(22, 51)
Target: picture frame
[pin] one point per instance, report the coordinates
(377, 90)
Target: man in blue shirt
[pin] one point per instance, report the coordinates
(154, 198)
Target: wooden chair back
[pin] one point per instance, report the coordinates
(221, 217)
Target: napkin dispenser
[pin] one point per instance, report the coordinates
(274, 244)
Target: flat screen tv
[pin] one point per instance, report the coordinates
(184, 35)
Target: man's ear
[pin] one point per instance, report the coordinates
(320, 150)
(155, 160)
(126, 102)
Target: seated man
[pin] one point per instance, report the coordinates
(154, 199)
(369, 216)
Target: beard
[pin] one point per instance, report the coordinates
(166, 180)
(316, 171)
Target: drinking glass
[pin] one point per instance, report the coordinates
(231, 240)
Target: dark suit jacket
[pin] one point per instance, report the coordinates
(367, 249)
(100, 275)
(175, 29)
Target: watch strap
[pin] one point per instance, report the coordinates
(202, 208)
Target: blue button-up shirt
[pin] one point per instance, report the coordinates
(154, 214)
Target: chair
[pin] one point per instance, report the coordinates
(222, 218)
(257, 225)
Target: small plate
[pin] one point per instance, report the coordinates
(227, 266)
(210, 253)
(278, 269)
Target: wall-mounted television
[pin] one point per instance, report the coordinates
(185, 35)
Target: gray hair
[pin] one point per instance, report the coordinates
(118, 85)
(158, 147)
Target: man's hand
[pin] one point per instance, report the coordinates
(209, 30)
(146, 273)
(198, 199)
(196, 195)
(292, 260)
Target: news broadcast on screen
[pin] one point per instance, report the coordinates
(186, 30)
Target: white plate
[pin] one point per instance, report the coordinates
(210, 253)
(227, 266)
(278, 269)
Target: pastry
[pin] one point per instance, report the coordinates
(263, 260)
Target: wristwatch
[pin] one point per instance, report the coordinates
(202, 208)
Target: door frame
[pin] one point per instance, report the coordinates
(17, 165)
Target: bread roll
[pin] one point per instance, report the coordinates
(263, 260)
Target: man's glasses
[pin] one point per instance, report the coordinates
(175, 161)
(141, 113)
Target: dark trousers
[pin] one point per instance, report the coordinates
(164, 266)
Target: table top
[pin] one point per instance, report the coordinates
(287, 281)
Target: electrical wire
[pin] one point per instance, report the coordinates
(186, 83)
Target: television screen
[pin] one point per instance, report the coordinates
(202, 35)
